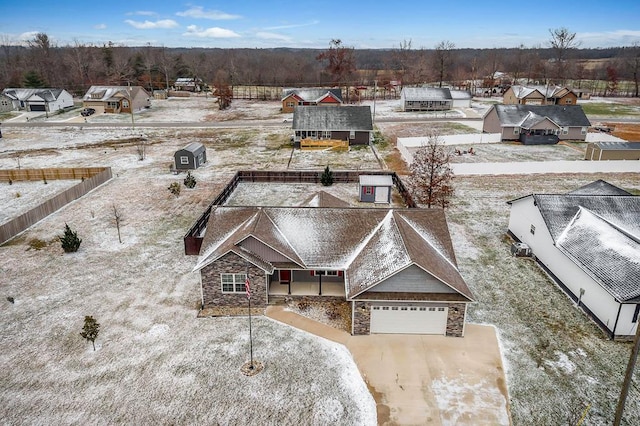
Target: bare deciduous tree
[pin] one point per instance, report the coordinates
(340, 61)
(431, 174)
(562, 42)
(442, 60)
(118, 219)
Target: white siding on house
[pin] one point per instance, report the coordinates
(524, 214)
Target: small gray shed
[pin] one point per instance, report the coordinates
(375, 188)
(190, 157)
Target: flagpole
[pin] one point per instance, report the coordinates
(247, 288)
(250, 334)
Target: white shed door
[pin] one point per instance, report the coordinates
(408, 319)
(382, 194)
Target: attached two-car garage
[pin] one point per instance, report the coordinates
(408, 319)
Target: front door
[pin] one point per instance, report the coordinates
(285, 276)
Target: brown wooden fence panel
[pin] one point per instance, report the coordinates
(193, 238)
(98, 176)
(16, 175)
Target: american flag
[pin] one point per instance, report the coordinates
(247, 287)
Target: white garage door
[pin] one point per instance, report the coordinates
(408, 319)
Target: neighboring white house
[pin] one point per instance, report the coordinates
(46, 100)
(588, 240)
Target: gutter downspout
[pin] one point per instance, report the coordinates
(615, 325)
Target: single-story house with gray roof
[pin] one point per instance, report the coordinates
(426, 99)
(292, 98)
(588, 241)
(537, 124)
(190, 157)
(395, 268)
(45, 100)
(347, 123)
(612, 151)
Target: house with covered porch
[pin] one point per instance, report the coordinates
(537, 124)
(116, 99)
(395, 268)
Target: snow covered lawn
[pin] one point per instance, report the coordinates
(559, 364)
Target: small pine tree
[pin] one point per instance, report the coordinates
(327, 177)
(190, 181)
(69, 241)
(90, 330)
(174, 188)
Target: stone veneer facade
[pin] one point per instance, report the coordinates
(216, 303)
(455, 318)
(232, 303)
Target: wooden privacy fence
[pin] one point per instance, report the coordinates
(193, 238)
(91, 178)
(16, 175)
(319, 144)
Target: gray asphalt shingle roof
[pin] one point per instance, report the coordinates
(331, 118)
(426, 94)
(370, 244)
(312, 94)
(598, 227)
(562, 115)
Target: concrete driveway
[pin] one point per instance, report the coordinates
(423, 379)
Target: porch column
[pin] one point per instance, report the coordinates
(320, 285)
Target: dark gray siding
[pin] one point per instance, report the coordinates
(412, 280)
(263, 251)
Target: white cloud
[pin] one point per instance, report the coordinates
(147, 25)
(608, 38)
(272, 36)
(199, 13)
(214, 32)
(100, 27)
(142, 13)
(283, 27)
(30, 35)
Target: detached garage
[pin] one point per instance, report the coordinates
(409, 319)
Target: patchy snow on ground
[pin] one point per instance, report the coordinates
(156, 363)
(458, 401)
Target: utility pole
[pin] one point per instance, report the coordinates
(628, 377)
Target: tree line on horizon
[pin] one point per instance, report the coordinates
(76, 67)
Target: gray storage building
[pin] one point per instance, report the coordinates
(190, 157)
(612, 151)
(375, 188)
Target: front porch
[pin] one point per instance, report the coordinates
(276, 288)
(306, 283)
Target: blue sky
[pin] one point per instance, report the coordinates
(312, 24)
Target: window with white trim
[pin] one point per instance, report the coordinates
(291, 104)
(583, 131)
(532, 230)
(565, 130)
(352, 134)
(516, 130)
(184, 159)
(233, 283)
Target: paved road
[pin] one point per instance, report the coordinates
(533, 167)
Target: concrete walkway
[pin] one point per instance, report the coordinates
(421, 379)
